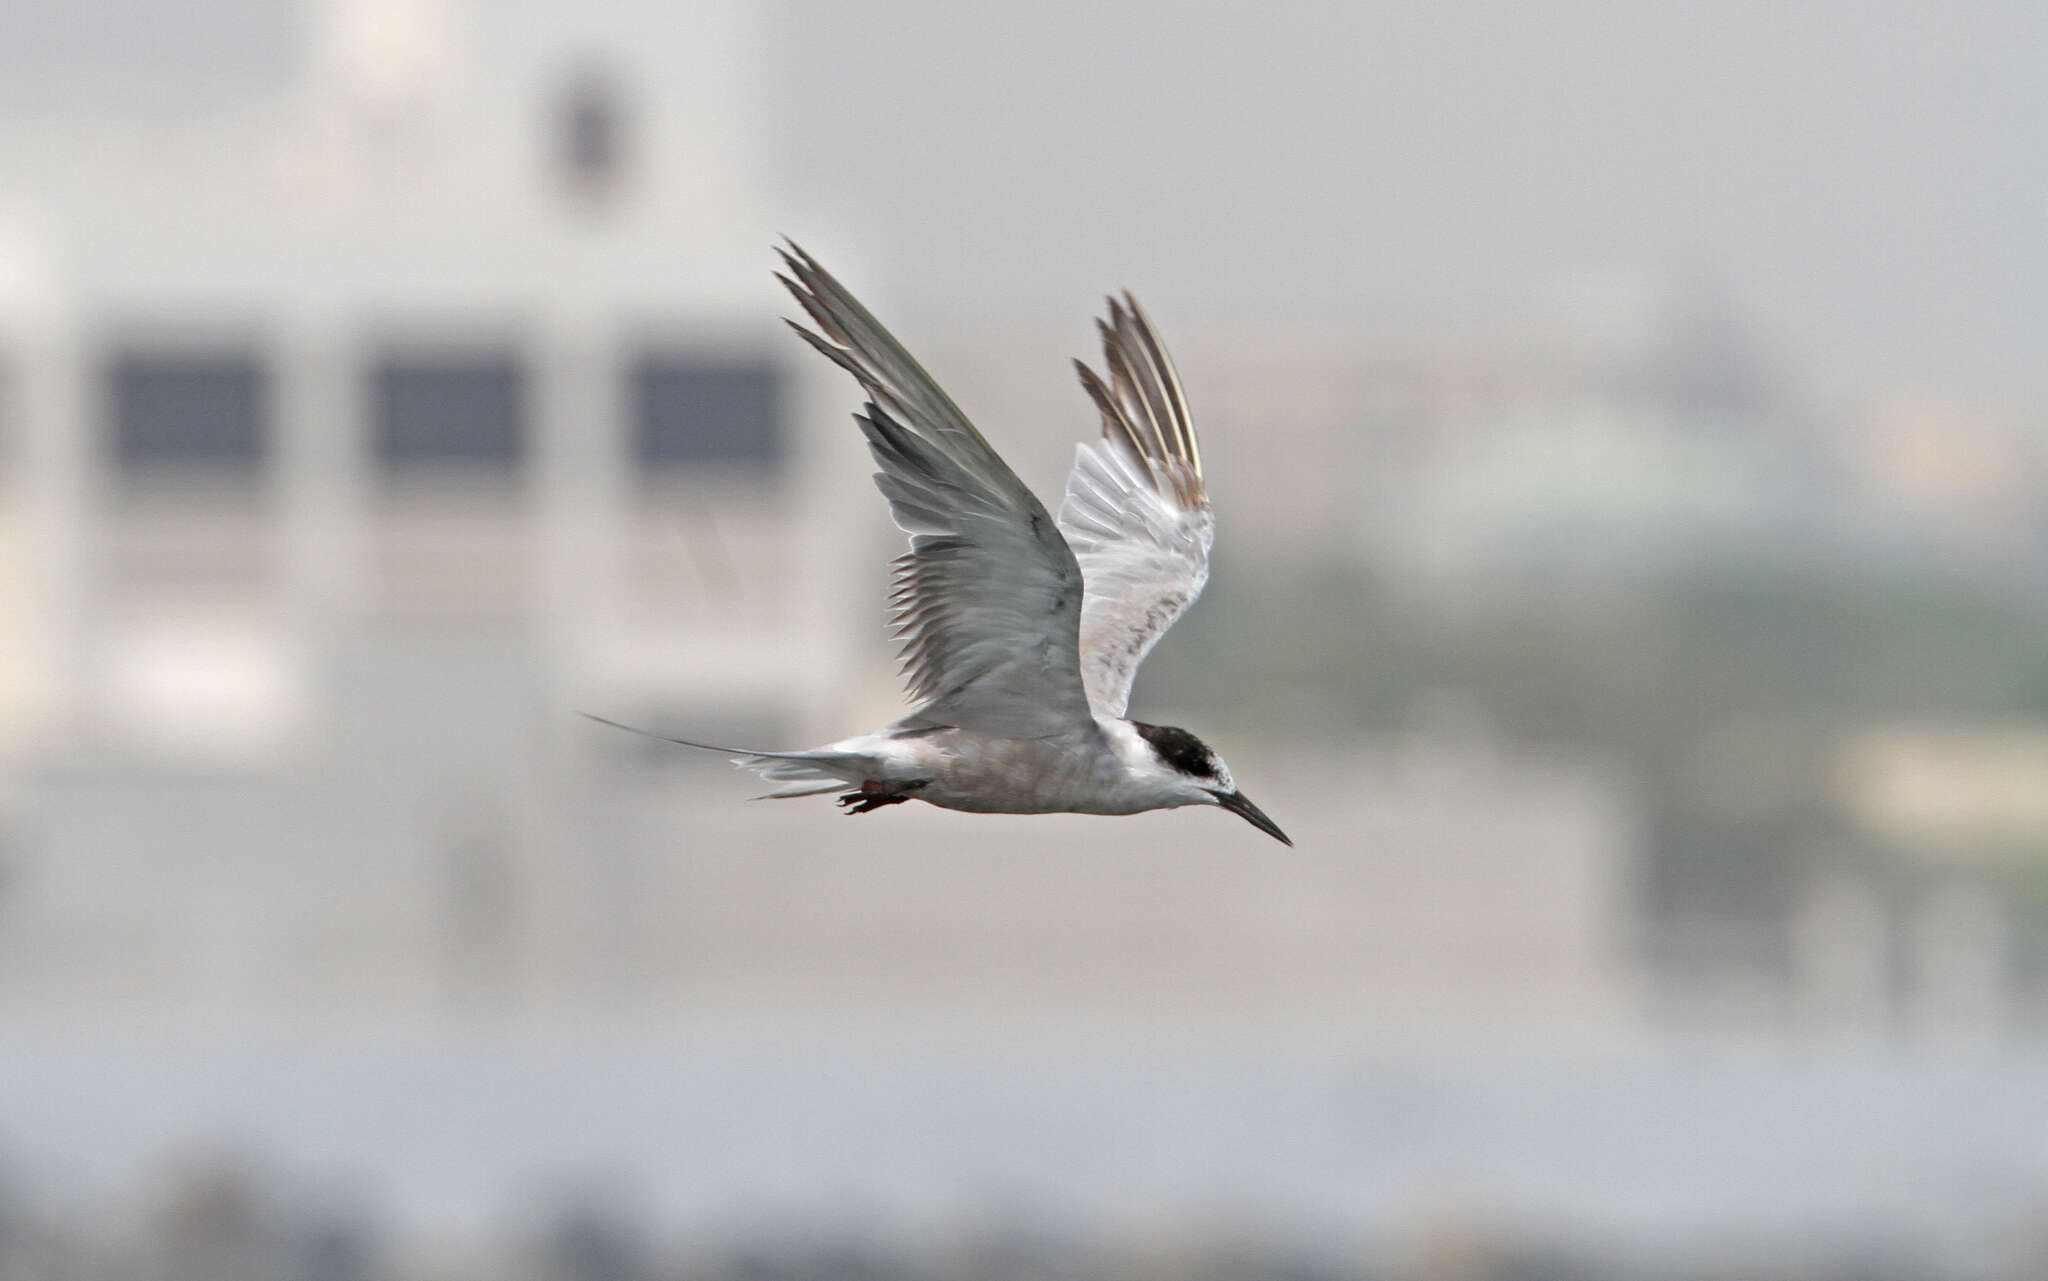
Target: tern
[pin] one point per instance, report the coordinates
(1020, 636)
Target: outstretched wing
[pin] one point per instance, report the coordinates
(1137, 514)
(988, 600)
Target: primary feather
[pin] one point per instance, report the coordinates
(988, 599)
(1137, 511)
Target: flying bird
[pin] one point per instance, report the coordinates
(1020, 635)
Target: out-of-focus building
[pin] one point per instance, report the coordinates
(1632, 428)
(363, 420)
(470, 326)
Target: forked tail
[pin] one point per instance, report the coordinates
(799, 773)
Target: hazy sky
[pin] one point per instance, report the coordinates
(1869, 181)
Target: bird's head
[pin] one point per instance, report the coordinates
(1194, 775)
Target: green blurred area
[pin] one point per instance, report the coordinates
(1724, 696)
(1642, 669)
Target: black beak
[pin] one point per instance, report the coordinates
(1236, 803)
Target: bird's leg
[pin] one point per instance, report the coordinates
(874, 794)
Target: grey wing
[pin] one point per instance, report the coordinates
(1137, 512)
(988, 600)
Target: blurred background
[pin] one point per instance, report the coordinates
(1629, 433)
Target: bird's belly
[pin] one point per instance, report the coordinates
(1024, 776)
(1040, 800)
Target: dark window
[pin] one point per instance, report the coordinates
(187, 412)
(450, 414)
(693, 409)
(593, 135)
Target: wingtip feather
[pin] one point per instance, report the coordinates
(1144, 397)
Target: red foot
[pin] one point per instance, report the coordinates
(874, 794)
